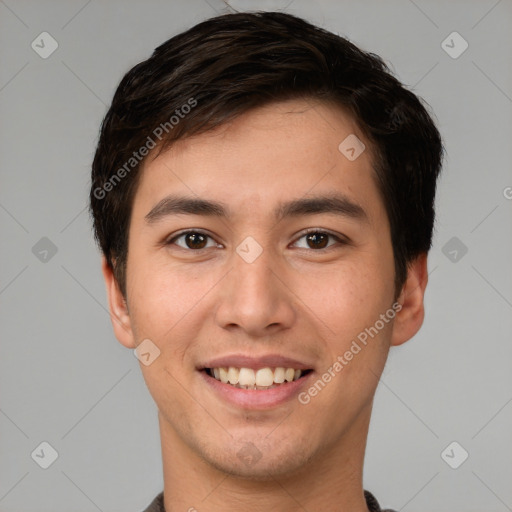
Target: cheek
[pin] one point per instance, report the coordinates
(350, 304)
(165, 303)
(355, 338)
(155, 298)
(351, 295)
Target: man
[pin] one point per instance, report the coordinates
(263, 195)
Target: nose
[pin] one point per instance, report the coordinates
(256, 297)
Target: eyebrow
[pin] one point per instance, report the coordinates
(337, 204)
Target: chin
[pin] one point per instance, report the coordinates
(259, 459)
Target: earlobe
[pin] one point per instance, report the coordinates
(118, 309)
(410, 317)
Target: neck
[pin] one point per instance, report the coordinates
(332, 479)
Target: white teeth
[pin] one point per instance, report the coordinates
(264, 377)
(279, 375)
(223, 375)
(289, 374)
(233, 375)
(250, 379)
(247, 377)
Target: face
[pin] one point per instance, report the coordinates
(267, 276)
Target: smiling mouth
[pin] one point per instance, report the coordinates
(264, 378)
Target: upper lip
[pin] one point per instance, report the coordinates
(264, 361)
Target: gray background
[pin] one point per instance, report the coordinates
(65, 379)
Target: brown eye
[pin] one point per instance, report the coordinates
(195, 240)
(317, 239)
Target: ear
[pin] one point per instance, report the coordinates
(119, 314)
(409, 319)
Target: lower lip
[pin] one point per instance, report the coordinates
(257, 398)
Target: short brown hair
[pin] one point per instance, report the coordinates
(232, 63)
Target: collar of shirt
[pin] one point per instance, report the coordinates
(157, 505)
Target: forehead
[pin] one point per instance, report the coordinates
(287, 149)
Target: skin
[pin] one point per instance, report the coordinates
(295, 299)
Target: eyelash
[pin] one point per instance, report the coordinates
(307, 232)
